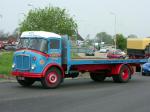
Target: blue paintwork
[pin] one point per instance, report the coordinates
(23, 59)
(23, 67)
(146, 68)
(56, 60)
(106, 61)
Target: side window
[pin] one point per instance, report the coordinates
(54, 44)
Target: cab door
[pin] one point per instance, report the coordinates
(55, 50)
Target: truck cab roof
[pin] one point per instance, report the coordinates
(39, 34)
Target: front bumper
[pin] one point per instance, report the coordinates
(27, 74)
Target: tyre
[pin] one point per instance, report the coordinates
(26, 82)
(123, 76)
(52, 79)
(143, 74)
(97, 77)
(115, 78)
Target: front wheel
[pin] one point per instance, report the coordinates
(26, 82)
(123, 76)
(52, 79)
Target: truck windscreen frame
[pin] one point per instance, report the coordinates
(39, 44)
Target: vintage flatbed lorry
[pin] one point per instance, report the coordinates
(46, 57)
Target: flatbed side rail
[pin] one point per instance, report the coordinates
(109, 61)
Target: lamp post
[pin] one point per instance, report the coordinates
(76, 36)
(1, 16)
(115, 27)
(31, 5)
(19, 21)
(32, 8)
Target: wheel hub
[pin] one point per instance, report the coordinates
(52, 78)
(125, 74)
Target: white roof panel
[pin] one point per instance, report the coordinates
(43, 34)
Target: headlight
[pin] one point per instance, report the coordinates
(33, 67)
(13, 65)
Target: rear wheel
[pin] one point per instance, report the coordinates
(53, 78)
(26, 82)
(123, 76)
(143, 74)
(97, 77)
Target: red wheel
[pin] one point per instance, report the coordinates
(124, 74)
(52, 79)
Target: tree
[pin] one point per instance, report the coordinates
(121, 42)
(104, 37)
(52, 19)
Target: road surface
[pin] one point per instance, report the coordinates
(78, 95)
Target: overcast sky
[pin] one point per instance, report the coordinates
(92, 16)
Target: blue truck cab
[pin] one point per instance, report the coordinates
(37, 52)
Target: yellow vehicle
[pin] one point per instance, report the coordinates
(138, 47)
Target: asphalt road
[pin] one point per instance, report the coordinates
(78, 95)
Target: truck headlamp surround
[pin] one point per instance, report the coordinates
(13, 65)
(33, 67)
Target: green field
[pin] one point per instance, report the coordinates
(5, 62)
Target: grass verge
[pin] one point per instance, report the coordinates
(6, 59)
(74, 55)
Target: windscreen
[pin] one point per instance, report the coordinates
(34, 43)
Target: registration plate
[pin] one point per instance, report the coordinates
(21, 78)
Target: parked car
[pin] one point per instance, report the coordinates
(116, 54)
(122, 52)
(103, 50)
(1, 45)
(90, 53)
(10, 47)
(146, 69)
